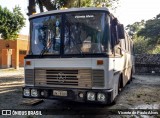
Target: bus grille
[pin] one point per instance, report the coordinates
(98, 78)
(63, 78)
(29, 76)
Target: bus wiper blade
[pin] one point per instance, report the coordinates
(78, 48)
(48, 43)
(46, 49)
(81, 52)
(43, 51)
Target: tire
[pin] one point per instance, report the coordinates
(131, 76)
(120, 84)
(119, 89)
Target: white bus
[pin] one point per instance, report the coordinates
(78, 54)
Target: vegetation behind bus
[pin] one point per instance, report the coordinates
(146, 35)
(58, 4)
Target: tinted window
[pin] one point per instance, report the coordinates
(85, 33)
(46, 35)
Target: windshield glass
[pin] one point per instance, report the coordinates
(85, 33)
(46, 35)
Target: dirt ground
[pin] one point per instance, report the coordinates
(142, 93)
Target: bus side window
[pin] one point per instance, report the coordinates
(126, 41)
(118, 49)
(129, 44)
(114, 40)
(131, 47)
(123, 45)
(117, 42)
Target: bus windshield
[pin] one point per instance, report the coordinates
(81, 33)
(46, 35)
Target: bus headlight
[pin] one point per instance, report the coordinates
(91, 96)
(26, 92)
(101, 97)
(81, 95)
(34, 93)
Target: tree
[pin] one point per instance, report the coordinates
(135, 28)
(151, 31)
(140, 45)
(146, 35)
(55, 4)
(11, 22)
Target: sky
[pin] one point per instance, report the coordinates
(128, 11)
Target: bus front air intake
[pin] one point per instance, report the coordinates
(75, 78)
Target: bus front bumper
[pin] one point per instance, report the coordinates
(102, 96)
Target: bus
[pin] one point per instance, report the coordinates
(77, 54)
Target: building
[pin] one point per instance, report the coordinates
(12, 52)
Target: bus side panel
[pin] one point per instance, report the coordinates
(118, 68)
(127, 68)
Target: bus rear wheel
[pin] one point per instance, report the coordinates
(131, 77)
(120, 84)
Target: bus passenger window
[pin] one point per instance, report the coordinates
(118, 48)
(126, 41)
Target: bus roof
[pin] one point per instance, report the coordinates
(70, 10)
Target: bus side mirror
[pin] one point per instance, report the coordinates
(121, 32)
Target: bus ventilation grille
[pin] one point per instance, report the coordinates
(29, 76)
(98, 78)
(63, 78)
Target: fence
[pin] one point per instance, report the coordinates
(147, 64)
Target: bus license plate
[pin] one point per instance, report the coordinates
(59, 93)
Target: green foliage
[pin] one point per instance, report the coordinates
(156, 50)
(135, 27)
(140, 45)
(146, 35)
(151, 31)
(52, 4)
(11, 22)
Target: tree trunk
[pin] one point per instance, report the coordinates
(48, 4)
(31, 7)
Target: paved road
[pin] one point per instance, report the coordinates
(142, 93)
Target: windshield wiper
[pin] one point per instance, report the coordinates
(78, 48)
(45, 49)
(48, 45)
